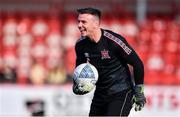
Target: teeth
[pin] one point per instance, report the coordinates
(82, 30)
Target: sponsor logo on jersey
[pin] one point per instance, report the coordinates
(87, 56)
(118, 41)
(105, 54)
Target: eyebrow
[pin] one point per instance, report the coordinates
(83, 21)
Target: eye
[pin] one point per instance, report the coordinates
(83, 22)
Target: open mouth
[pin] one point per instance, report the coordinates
(82, 30)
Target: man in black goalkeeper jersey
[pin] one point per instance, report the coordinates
(110, 53)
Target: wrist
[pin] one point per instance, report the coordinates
(139, 88)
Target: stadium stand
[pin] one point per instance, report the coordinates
(49, 41)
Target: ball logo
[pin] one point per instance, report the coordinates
(87, 72)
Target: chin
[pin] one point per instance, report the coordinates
(83, 35)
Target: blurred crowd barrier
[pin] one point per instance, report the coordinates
(51, 101)
(39, 49)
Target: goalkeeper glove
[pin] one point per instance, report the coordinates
(139, 98)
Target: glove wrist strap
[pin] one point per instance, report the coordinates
(139, 88)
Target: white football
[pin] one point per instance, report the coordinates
(86, 75)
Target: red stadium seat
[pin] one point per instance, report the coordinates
(171, 46)
(54, 25)
(24, 26)
(168, 79)
(159, 25)
(40, 27)
(144, 36)
(177, 78)
(152, 77)
(10, 27)
(70, 60)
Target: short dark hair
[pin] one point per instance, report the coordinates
(89, 10)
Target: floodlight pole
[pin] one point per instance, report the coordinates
(141, 10)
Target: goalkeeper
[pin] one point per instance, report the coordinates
(111, 54)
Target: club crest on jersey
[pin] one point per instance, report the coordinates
(105, 54)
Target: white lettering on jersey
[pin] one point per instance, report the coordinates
(118, 41)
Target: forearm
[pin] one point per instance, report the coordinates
(138, 68)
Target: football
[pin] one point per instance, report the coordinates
(86, 76)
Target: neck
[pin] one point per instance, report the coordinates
(96, 35)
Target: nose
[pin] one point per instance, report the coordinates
(79, 24)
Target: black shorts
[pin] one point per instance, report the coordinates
(118, 104)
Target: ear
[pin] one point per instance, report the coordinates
(96, 22)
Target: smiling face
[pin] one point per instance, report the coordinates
(87, 24)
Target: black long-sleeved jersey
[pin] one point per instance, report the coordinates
(111, 56)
